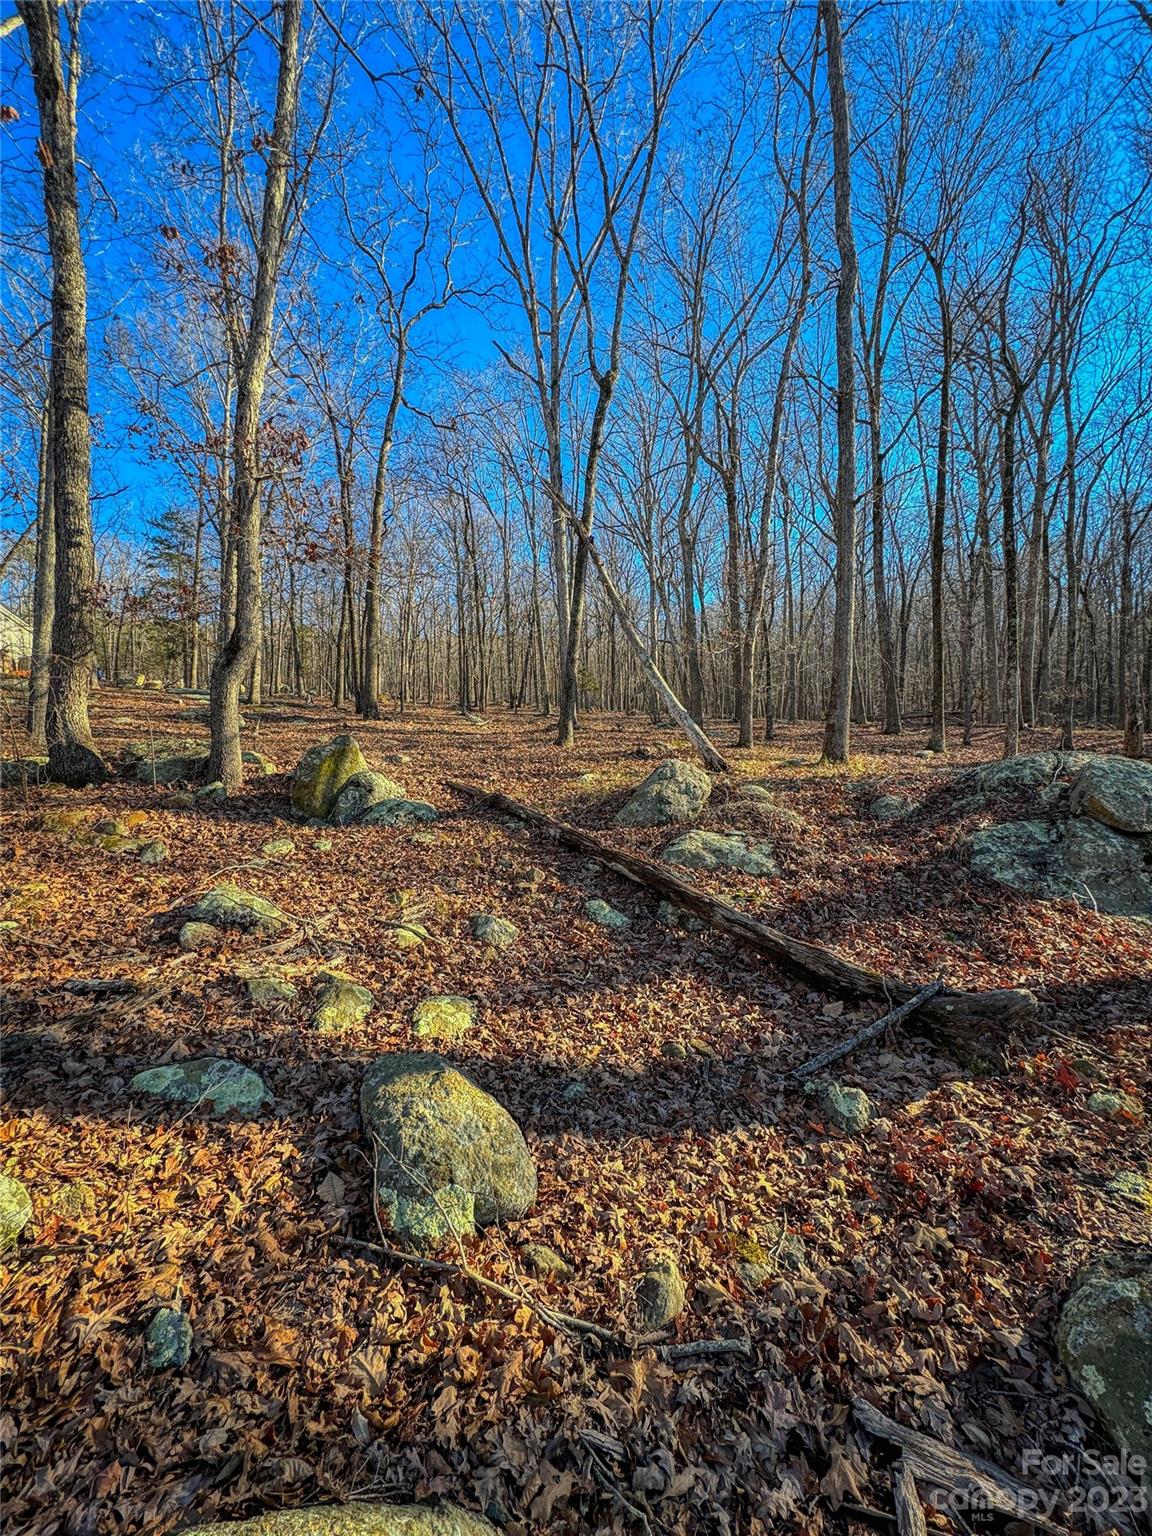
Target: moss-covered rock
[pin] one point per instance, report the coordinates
(278, 847)
(849, 1109)
(606, 916)
(443, 1018)
(195, 936)
(15, 772)
(495, 931)
(220, 1086)
(322, 773)
(660, 1295)
(409, 934)
(399, 813)
(228, 906)
(360, 1519)
(441, 1141)
(544, 1262)
(340, 1005)
(359, 793)
(1105, 1342)
(270, 991)
(890, 807)
(1116, 791)
(720, 850)
(168, 1342)
(1116, 1106)
(673, 792)
(154, 852)
(15, 1210)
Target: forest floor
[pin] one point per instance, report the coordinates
(646, 1070)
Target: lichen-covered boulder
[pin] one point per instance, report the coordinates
(195, 936)
(1116, 791)
(1105, 1342)
(890, 807)
(448, 1157)
(270, 991)
(168, 1342)
(220, 1086)
(660, 1295)
(673, 792)
(443, 1018)
(1114, 1105)
(1017, 854)
(544, 1262)
(154, 852)
(359, 1519)
(322, 773)
(340, 1005)
(15, 1210)
(278, 847)
(499, 932)
(228, 906)
(1101, 868)
(849, 1109)
(15, 772)
(1028, 771)
(399, 813)
(362, 790)
(605, 916)
(720, 850)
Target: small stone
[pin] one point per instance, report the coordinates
(212, 794)
(277, 847)
(267, 991)
(849, 1109)
(199, 936)
(660, 1296)
(674, 1051)
(227, 906)
(544, 1262)
(219, 1085)
(1116, 1106)
(153, 853)
(443, 1018)
(341, 1005)
(15, 1210)
(496, 931)
(890, 807)
(182, 800)
(322, 844)
(73, 1200)
(605, 916)
(168, 1342)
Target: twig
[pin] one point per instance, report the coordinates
(869, 1032)
(909, 1510)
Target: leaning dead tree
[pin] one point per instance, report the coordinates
(969, 1021)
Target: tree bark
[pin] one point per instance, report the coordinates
(44, 599)
(72, 752)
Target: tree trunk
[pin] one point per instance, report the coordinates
(236, 656)
(837, 726)
(71, 750)
(44, 600)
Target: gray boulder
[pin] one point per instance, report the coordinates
(1116, 791)
(448, 1157)
(890, 807)
(673, 792)
(605, 916)
(363, 789)
(322, 773)
(219, 1085)
(1018, 854)
(660, 1295)
(499, 932)
(399, 813)
(1083, 861)
(720, 850)
(359, 1519)
(1105, 1341)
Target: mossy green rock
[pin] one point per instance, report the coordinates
(849, 1109)
(1105, 1342)
(15, 1210)
(359, 1519)
(269, 991)
(890, 807)
(433, 1130)
(496, 931)
(323, 772)
(16, 771)
(544, 1262)
(672, 792)
(411, 935)
(227, 906)
(1116, 1106)
(605, 916)
(660, 1295)
(720, 850)
(278, 847)
(341, 1005)
(443, 1018)
(154, 852)
(359, 793)
(399, 813)
(220, 1086)
(168, 1342)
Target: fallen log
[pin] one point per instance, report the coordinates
(970, 1020)
(975, 1485)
